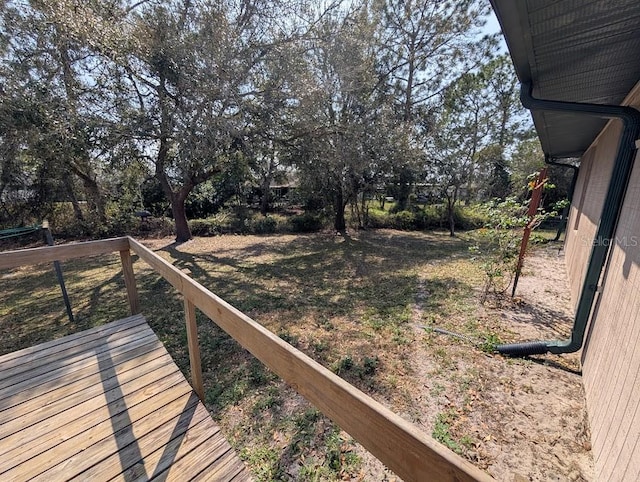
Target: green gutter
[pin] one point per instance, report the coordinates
(612, 206)
(551, 161)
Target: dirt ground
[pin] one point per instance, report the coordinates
(540, 404)
(517, 419)
(369, 307)
(525, 417)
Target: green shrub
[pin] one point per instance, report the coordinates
(206, 227)
(470, 217)
(264, 225)
(307, 223)
(405, 220)
(378, 219)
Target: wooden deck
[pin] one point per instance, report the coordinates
(106, 404)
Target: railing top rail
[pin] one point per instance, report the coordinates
(397, 443)
(47, 254)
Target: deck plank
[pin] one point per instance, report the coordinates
(112, 327)
(66, 354)
(13, 385)
(74, 384)
(160, 460)
(23, 372)
(157, 439)
(34, 386)
(30, 442)
(106, 404)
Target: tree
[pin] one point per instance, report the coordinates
(55, 79)
(502, 89)
(181, 75)
(462, 131)
(479, 122)
(427, 45)
(340, 112)
(424, 47)
(270, 116)
(526, 160)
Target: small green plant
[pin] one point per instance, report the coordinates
(264, 462)
(498, 243)
(365, 369)
(369, 365)
(344, 365)
(289, 338)
(441, 432)
(491, 340)
(265, 403)
(340, 457)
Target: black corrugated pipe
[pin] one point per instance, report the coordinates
(622, 167)
(565, 212)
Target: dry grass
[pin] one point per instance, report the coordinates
(356, 304)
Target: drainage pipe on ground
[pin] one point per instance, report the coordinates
(612, 205)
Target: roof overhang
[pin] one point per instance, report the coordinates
(574, 51)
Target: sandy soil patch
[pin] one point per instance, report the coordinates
(522, 419)
(518, 419)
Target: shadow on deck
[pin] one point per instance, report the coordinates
(106, 404)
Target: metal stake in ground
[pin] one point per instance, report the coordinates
(56, 265)
(536, 196)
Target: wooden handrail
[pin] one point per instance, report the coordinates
(396, 442)
(21, 257)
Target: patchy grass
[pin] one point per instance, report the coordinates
(345, 301)
(348, 302)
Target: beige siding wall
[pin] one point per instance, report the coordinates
(611, 358)
(589, 194)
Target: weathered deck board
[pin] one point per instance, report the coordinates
(106, 404)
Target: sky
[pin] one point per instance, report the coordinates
(493, 26)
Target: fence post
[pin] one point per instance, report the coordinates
(194, 347)
(130, 281)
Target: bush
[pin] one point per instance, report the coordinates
(206, 227)
(378, 219)
(306, 223)
(498, 243)
(430, 217)
(264, 225)
(404, 220)
(470, 217)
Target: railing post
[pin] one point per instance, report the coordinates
(194, 348)
(130, 281)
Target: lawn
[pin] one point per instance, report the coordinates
(363, 305)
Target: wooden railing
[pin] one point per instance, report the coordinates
(397, 443)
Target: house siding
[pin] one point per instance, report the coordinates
(611, 357)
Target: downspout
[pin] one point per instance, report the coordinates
(565, 212)
(612, 205)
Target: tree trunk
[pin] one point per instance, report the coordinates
(264, 200)
(183, 233)
(451, 204)
(364, 210)
(452, 223)
(74, 200)
(450, 213)
(93, 195)
(340, 223)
